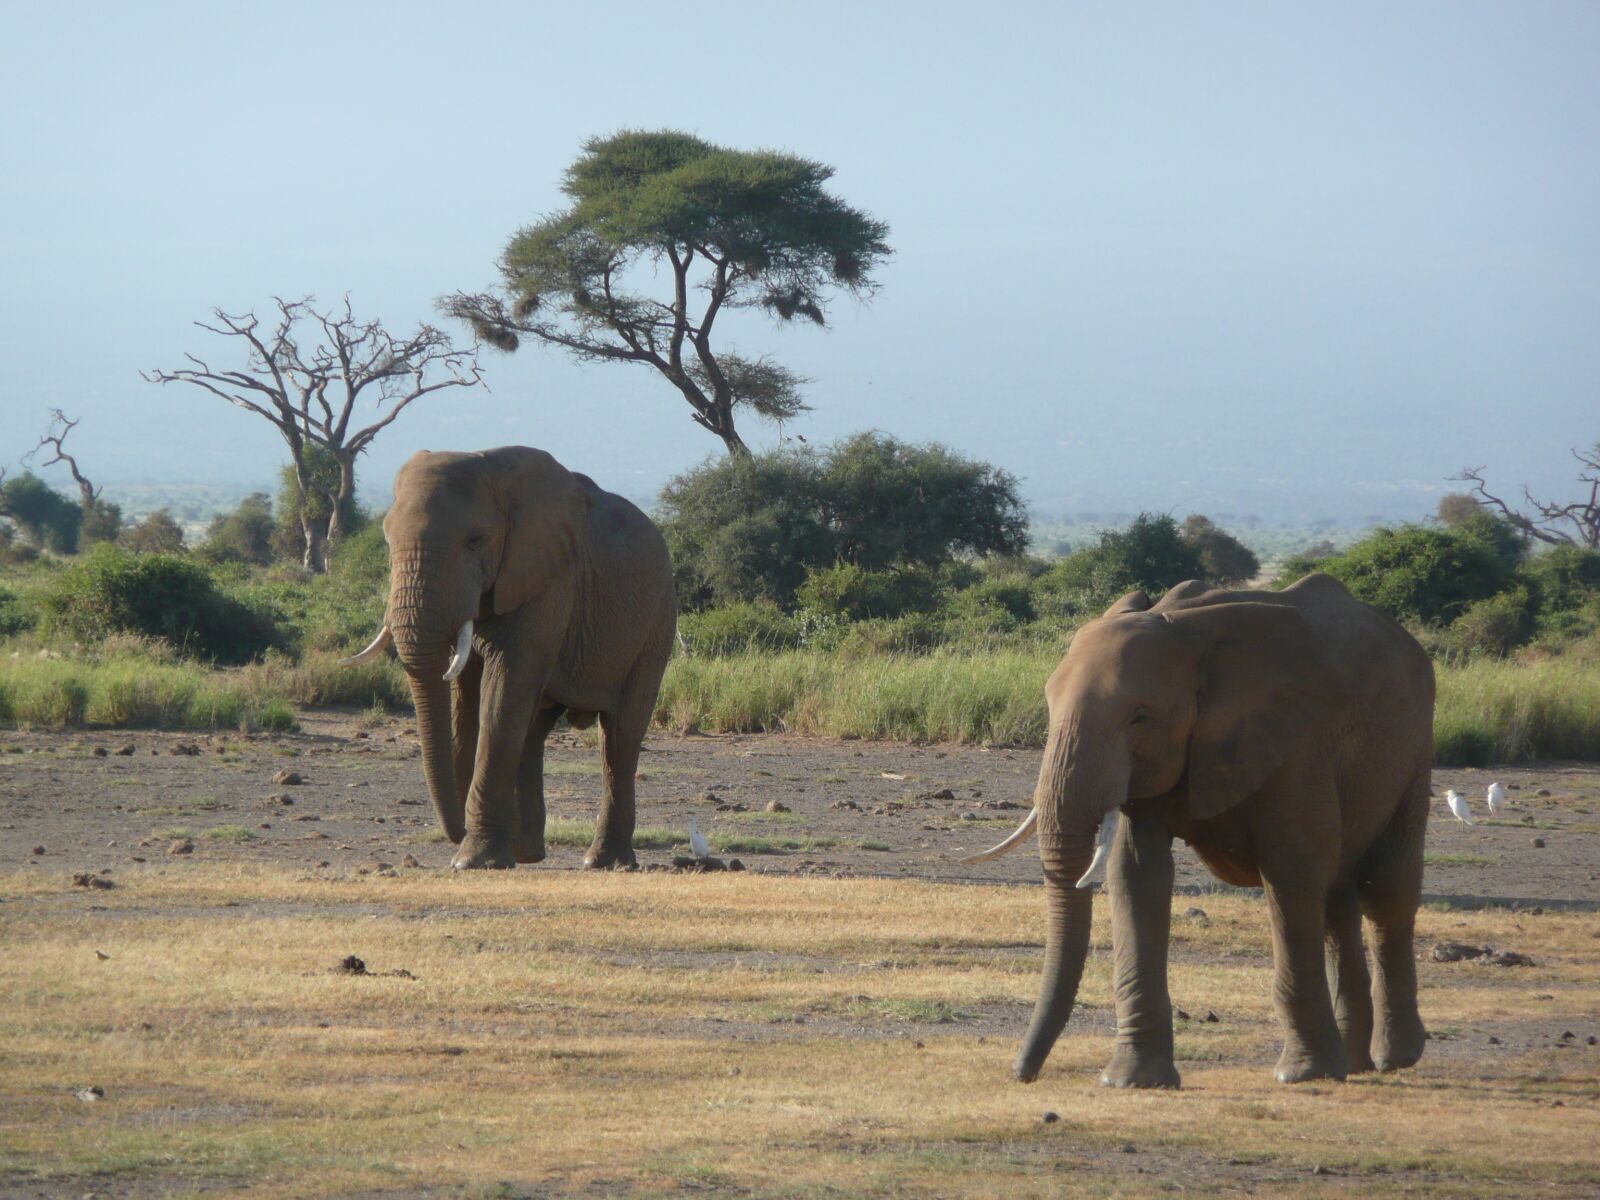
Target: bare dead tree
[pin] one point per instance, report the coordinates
(310, 389)
(56, 438)
(1574, 524)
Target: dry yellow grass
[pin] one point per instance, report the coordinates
(774, 1036)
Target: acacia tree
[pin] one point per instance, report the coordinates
(310, 389)
(1574, 524)
(719, 228)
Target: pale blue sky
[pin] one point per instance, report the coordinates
(1287, 259)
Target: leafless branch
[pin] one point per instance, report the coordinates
(55, 437)
(1573, 524)
(312, 391)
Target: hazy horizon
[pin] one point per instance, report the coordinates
(1235, 259)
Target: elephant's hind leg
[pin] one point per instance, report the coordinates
(1389, 881)
(1347, 969)
(528, 845)
(621, 734)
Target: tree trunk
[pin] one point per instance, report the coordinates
(344, 502)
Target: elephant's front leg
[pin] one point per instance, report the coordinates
(494, 821)
(464, 729)
(1139, 879)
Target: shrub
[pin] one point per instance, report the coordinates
(165, 596)
(101, 523)
(46, 518)
(243, 535)
(1418, 574)
(1494, 626)
(750, 527)
(158, 533)
(849, 592)
(1151, 554)
(1223, 558)
(14, 617)
(732, 628)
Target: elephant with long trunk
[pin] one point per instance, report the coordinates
(1288, 738)
(520, 591)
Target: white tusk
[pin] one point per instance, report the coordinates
(1010, 844)
(378, 646)
(1102, 847)
(462, 652)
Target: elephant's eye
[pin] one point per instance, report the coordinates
(1140, 716)
(475, 541)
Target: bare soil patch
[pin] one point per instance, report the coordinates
(849, 808)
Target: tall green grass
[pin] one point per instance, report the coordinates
(1497, 711)
(943, 696)
(133, 684)
(1488, 711)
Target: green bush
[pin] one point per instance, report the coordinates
(1151, 554)
(852, 593)
(1494, 626)
(750, 527)
(46, 518)
(113, 590)
(1224, 559)
(243, 535)
(1419, 574)
(733, 628)
(14, 617)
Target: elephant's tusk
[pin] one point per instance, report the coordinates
(1010, 844)
(1102, 847)
(462, 652)
(378, 646)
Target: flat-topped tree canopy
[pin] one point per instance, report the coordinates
(737, 228)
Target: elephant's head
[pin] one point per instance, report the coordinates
(470, 536)
(1209, 692)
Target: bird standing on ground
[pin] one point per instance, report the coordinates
(1497, 799)
(697, 843)
(1458, 806)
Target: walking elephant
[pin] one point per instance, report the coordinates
(537, 593)
(1286, 736)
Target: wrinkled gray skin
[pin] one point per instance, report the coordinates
(1286, 736)
(570, 589)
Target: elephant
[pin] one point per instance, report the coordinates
(538, 594)
(1288, 738)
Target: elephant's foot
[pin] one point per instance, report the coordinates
(1131, 1068)
(602, 856)
(480, 852)
(528, 850)
(1360, 1060)
(1298, 1065)
(1399, 1043)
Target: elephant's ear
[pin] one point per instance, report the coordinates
(1132, 602)
(545, 510)
(1266, 690)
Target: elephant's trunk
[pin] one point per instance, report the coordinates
(431, 695)
(1065, 858)
(423, 644)
(1074, 793)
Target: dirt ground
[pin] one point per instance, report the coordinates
(179, 823)
(851, 808)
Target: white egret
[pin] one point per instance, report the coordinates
(1458, 807)
(697, 843)
(1497, 799)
